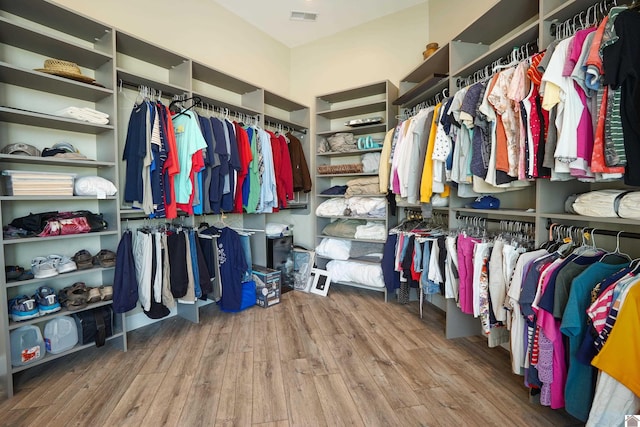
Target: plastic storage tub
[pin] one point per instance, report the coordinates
(27, 345)
(60, 334)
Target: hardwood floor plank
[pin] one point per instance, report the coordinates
(269, 402)
(289, 343)
(167, 405)
(283, 423)
(337, 404)
(372, 406)
(265, 338)
(235, 404)
(201, 405)
(135, 402)
(385, 372)
(242, 332)
(303, 401)
(418, 416)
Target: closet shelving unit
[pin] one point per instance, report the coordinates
(332, 112)
(30, 32)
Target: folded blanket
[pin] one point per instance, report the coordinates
(599, 203)
(343, 228)
(334, 249)
(630, 205)
(370, 162)
(332, 207)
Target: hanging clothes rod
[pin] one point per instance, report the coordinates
(596, 230)
(496, 220)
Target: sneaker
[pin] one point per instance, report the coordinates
(43, 267)
(63, 263)
(23, 308)
(47, 300)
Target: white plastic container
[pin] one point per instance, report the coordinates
(60, 334)
(27, 345)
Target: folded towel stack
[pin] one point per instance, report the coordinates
(84, 114)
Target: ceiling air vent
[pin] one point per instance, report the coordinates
(303, 16)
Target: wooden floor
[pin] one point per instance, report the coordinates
(347, 359)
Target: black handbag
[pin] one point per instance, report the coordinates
(94, 325)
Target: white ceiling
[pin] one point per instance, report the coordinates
(272, 16)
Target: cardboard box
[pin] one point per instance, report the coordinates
(267, 286)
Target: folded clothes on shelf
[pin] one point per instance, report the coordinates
(84, 114)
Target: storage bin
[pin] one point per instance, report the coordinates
(60, 334)
(27, 345)
(30, 183)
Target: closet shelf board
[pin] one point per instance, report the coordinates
(42, 120)
(360, 260)
(66, 237)
(498, 21)
(322, 236)
(497, 212)
(350, 152)
(338, 175)
(360, 130)
(295, 206)
(527, 34)
(47, 198)
(566, 10)
(25, 38)
(582, 218)
(286, 123)
(368, 218)
(147, 52)
(437, 63)
(63, 312)
(359, 92)
(76, 273)
(134, 79)
(57, 17)
(54, 161)
(49, 356)
(424, 90)
(223, 104)
(333, 196)
(363, 286)
(216, 78)
(358, 110)
(35, 80)
(277, 101)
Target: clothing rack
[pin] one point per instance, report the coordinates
(597, 12)
(280, 127)
(496, 220)
(518, 54)
(151, 92)
(594, 230)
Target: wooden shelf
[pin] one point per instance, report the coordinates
(360, 130)
(147, 52)
(75, 273)
(355, 93)
(358, 110)
(422, 91)
(32, 118)
(54, 161)
(65, 237)
(135, 79)
(216, 78)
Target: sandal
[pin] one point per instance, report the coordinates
(83, 259)
(76, 296)
(106, 293)
(105, 258)
(94, 295)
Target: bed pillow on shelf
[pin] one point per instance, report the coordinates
(370, 162)
(356, 272)
(332, 207)
(334, 249)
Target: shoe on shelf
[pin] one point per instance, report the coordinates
(63, 263)
(106, 293)
(105, 258)
(47, 300)
(75, 296)
(23, 308)
(83, 259)
(42, 267)
(94, 295)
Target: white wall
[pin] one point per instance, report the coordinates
(387, 48)
(201, 30)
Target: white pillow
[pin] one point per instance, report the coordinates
(334, 249)
(94, 186)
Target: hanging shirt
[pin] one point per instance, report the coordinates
(189, 140)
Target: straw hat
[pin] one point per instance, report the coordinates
(66, 69)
